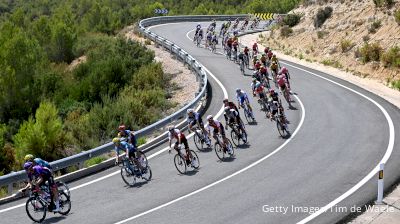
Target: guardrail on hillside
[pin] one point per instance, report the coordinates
(10, 179)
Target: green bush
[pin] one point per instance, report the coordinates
(396, 84)
(391, 58)
(286, 31)
(346, 45)
(374, 26)
(397, 16)
(94, 161)
(291, 20)
(321, 34)
(322, 16)
(141, 141)
(371, 52)
(381, 3)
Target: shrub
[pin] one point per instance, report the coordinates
(322, 16)
(381, 3)
(397, 16)
(147, 42)
(291, 20)
(346, 45)
(321, 34)
(286, 31)
(374, 26)
(371, 52)
(366, 38)
(396, 84)
(391, 58)
(333, 63)
(94, 161)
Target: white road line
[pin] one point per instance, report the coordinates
(374, 171)
(227, 177)
(149, 157)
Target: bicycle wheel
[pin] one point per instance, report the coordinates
(280, 127)
(246, 115)
(180, 164)
(147, 174)
(36, 209)
(219, 151)
(63, 187)
(65, 203)
(229, 147)
(128, 176)
(235, 137)
(195, 164)
(141, 157)
(197, 141)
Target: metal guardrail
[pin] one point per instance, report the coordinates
(14, 177)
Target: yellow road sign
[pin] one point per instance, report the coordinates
(264, 16)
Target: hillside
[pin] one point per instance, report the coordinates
(340, 42)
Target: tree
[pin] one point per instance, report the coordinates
(63, 39)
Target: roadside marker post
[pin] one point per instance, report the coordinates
(380, 184)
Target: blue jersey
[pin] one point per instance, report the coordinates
(242, 97)
(39, 171)
(129, 135)
(193, 120)
(124, 146)
(42, 163)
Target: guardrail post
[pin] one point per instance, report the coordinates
(10, 188)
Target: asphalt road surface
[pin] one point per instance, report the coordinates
(338, 138)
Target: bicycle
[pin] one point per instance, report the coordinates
(223, 151)
(281, 125)
(130, 171)
(182, 161)
(213, 47)
(246, 60)
(242, 66)
(40, 202)
(248, 113)
(200, 139)
(198, 41)
(228, 53)
(237, 134)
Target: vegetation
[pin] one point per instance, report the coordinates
(371, 52)
(333, 63)
(322, 16)
(291, 20)
(397, 16)
(346, 45)
(286, 31)
(381, 3)
(52, 109)
(374, 26)
(391, 58)
(321, 34)
(94, 161)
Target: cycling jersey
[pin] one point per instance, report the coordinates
(253, 85)
(43, 172)
(131, 137)
(246, 51)
(42, 163)
(192, 120)
(126, 147)
(282, 81)
(232, 115)
(242, 97)
(217, 126)
(241, 56)
(270, 55)
(232, 105)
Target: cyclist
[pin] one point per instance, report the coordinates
(208, 41)
(214, 39)
(273, 103)
(231, 117)
(214, 23)
(274, 68)
(128, 134)
(263, 60)
(180, 139)
(255, 49)
(285, 71)
(222, 30)
(253, 85)
(193, 119)
(217, 128)
(274, 59)
(270, 54)
(259, 91)
(266, 49)
(241, 58)
(242, 99)
(230, 104)
(41, 175)
(130, 150)
(37, 161)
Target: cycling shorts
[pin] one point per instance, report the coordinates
(184, 142)
(216, 131)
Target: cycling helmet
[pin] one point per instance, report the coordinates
(170, 128)
(209, 117)
(227, 109)
(225, 100)
(190, 110)
(246, 47)
(116, 140)
(121, 127)
(254, 80)
(29, 157)
(271, 91)
(284, 70)
(258, 84)
(27, 165)
(274, 55)
(238, 90)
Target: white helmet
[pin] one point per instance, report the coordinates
(209, 117)
(227, 109)
(190, 110)
(170, 128)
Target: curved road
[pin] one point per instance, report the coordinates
(340, 137)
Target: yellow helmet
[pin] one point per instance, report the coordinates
(29, 157)
(116, 140)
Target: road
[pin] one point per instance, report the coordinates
(338, 138)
